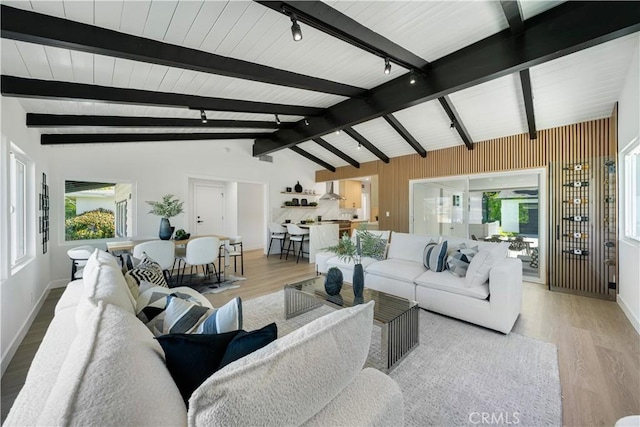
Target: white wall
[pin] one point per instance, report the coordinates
(158, 168)
(629, 252)
(22, 293)
(250, 215)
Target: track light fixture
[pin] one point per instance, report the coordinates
(277, 119)
(295, 28)
(338, 132)
(203, 117)
(452, 125)
(412, 77)
(306, 122)
(387, 66)
(359, 146)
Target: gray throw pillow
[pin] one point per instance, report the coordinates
(434, 256)
(458, 262)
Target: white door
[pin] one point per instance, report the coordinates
(209, 210)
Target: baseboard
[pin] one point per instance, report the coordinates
(625, 309)
(58, 283)
(17, 340)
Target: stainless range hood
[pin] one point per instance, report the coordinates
(330, 195)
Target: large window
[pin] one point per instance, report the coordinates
(630, 159)
(19, 176)
(96, 210)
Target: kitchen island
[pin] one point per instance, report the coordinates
(321, 235)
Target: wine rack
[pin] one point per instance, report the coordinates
(582, 236)
(575, 217)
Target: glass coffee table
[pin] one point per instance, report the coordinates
(397, 317)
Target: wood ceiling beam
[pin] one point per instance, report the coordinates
(312, 158)
(48, 89)
(451, 111)
(324, 144)
(70, 120)
(32, 27)
(367, 144)
(83, 138)
(560, 31)
(513, 13)
(324, 18)
(405, 134)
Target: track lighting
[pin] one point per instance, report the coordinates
(452, 125)
(306, 122)
(387, 66)
(412, 78)
(359, 146)
(203, 116)
(295, 28)
(338, 132)
(277, 119)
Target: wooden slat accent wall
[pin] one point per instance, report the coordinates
(561, 144)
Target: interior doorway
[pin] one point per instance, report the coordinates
(208, 212)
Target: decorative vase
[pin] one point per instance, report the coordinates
(166, 230)
(298, 187)
(333, 281)
(358, 280)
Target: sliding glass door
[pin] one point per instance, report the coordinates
(506, 206)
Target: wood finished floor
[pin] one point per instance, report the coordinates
(598, 350)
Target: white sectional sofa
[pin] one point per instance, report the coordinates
(494, 304)
(98, 364)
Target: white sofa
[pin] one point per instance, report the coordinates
(495, 304)
(99, 365)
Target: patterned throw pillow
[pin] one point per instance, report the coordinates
(147, 270)
(153, 301)
(434, 256)
(458, 262)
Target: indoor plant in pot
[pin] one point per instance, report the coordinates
(347, 249)
(167, 208)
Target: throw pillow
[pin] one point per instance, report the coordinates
(434, 256)
(149, 271)
(478, 271)
(458, 262)
(192, 358)
(224, 319)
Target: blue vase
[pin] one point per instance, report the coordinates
(358, 280)
(166, 230)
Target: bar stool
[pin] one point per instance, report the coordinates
(278, 232)
(296, 234)
(79, 256)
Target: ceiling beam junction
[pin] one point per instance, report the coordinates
(48, 89)
(32, 27)
(368, 145)
(324, 144)
(313, 158)
(513, 13)
(83, 138)
(405, 134)
(560, 31)
(69, 120)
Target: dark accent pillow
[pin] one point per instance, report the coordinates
(192, 358)
(247, 342)
(435, 256)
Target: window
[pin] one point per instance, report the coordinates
(630, 160)
(96, 210)
(18, 202)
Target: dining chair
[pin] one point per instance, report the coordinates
(161, 251)
(79, 256)
(202, 251)
(278, 232)
(234, 250)
(296, 234)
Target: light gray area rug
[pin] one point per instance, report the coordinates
(209, 286)
(460, 374)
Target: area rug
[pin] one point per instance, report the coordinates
(460, 374)
(209, 286)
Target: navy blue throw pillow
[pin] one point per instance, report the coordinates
(245, 343)
(192, 358)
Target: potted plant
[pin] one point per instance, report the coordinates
(167, 208)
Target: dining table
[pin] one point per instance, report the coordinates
(120, 247)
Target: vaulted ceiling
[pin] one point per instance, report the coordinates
(461, 71)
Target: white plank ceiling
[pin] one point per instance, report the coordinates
(579, 87)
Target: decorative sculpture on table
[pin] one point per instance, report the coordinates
(333, 281)
(167, 208)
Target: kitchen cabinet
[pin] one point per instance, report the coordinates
(352, 192)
